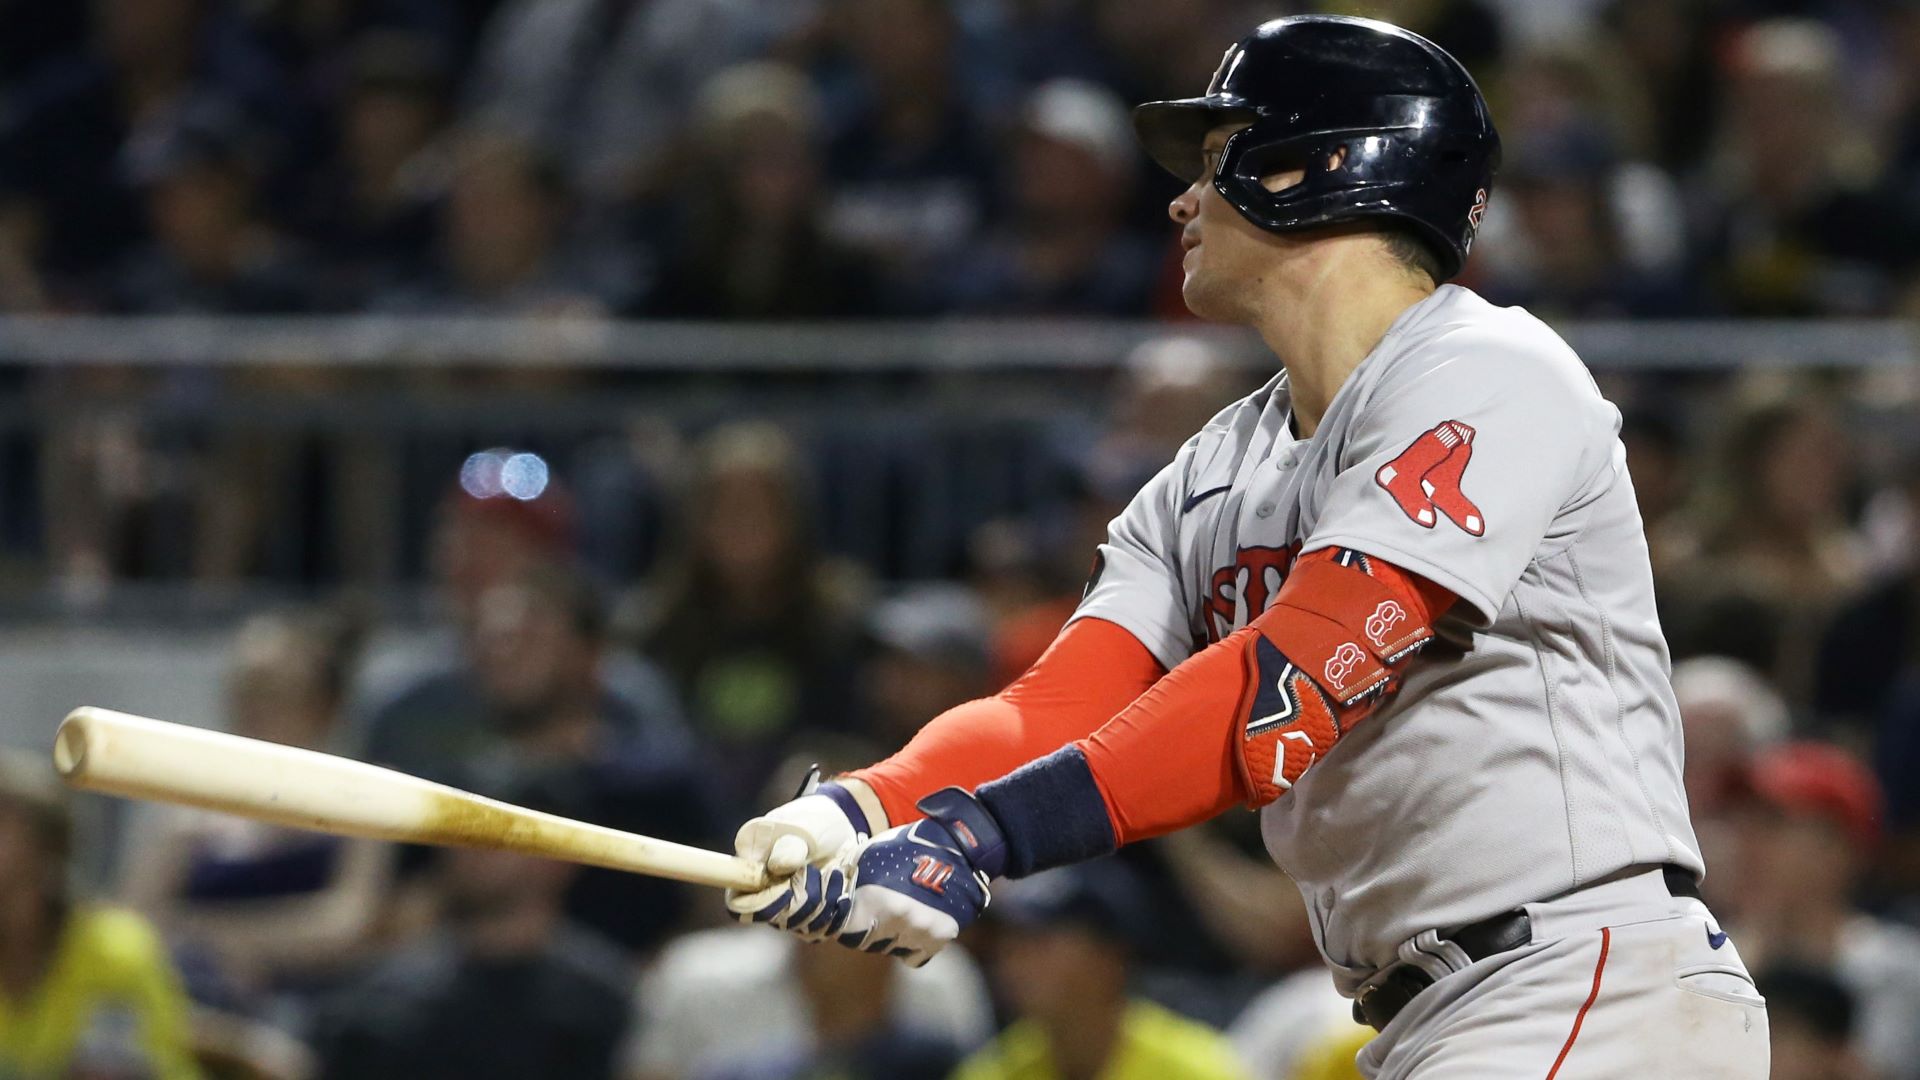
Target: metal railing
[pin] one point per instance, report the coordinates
(916, 432)
(963, 345)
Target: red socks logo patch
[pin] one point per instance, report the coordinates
(1426, 478)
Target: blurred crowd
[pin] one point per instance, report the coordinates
(665, 639)
(884, 158)
(677, 702)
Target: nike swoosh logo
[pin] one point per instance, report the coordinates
(1196, 500)
(1715, 940)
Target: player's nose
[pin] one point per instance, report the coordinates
(1185, 205)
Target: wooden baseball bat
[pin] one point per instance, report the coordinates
(135, 757)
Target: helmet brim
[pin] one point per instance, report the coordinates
(1173, 133)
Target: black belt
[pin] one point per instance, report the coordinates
(1378, 1004)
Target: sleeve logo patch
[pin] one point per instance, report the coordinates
(1425, 478)
(1341, 665)
(1385, 617)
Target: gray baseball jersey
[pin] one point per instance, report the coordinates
(1535, 746)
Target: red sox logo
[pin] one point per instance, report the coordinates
(1381, 623)
(1425, 478)
(931, 874)
(1240, 593)
(1341, 664)
(1474, 213)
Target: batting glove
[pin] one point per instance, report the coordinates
(796, 843)
(914, 888)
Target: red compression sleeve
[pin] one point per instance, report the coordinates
(1090, 672)
(1174, 758)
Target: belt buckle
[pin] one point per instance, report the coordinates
(1360, 1006)
(1377, 1005)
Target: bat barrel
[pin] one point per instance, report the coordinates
(132, 756)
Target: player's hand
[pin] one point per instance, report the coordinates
(914, 888)
(811, 831)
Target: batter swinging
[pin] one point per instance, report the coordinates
(1399, 599)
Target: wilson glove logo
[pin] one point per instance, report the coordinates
(932, 874)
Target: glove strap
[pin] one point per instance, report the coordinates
(974, 830)
(848, 805)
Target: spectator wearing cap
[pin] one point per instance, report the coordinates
(434, 717)
(739, 1003)
(1795, 216)
(1061, 246)
(537, 678)
(750, 240)
(1810, 1021)
(1728, 714)
(1815, 824)
(1062, 958)
(213, 251)
(505, 987)
(933, 652)
(742, 1004)
(85, 990)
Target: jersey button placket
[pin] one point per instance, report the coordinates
(1283, 459)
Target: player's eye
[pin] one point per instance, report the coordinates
(1210, 160)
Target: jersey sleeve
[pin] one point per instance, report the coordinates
(1135, 582)
(1460, 468)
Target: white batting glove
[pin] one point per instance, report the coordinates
(808, 832)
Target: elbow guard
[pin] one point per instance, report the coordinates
(1322, 657)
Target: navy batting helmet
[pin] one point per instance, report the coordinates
(1404, 120)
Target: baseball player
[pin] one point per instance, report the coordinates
(1398, 599)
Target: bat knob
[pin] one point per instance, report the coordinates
(70, 748)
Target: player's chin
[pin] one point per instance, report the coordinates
(1203, 296)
